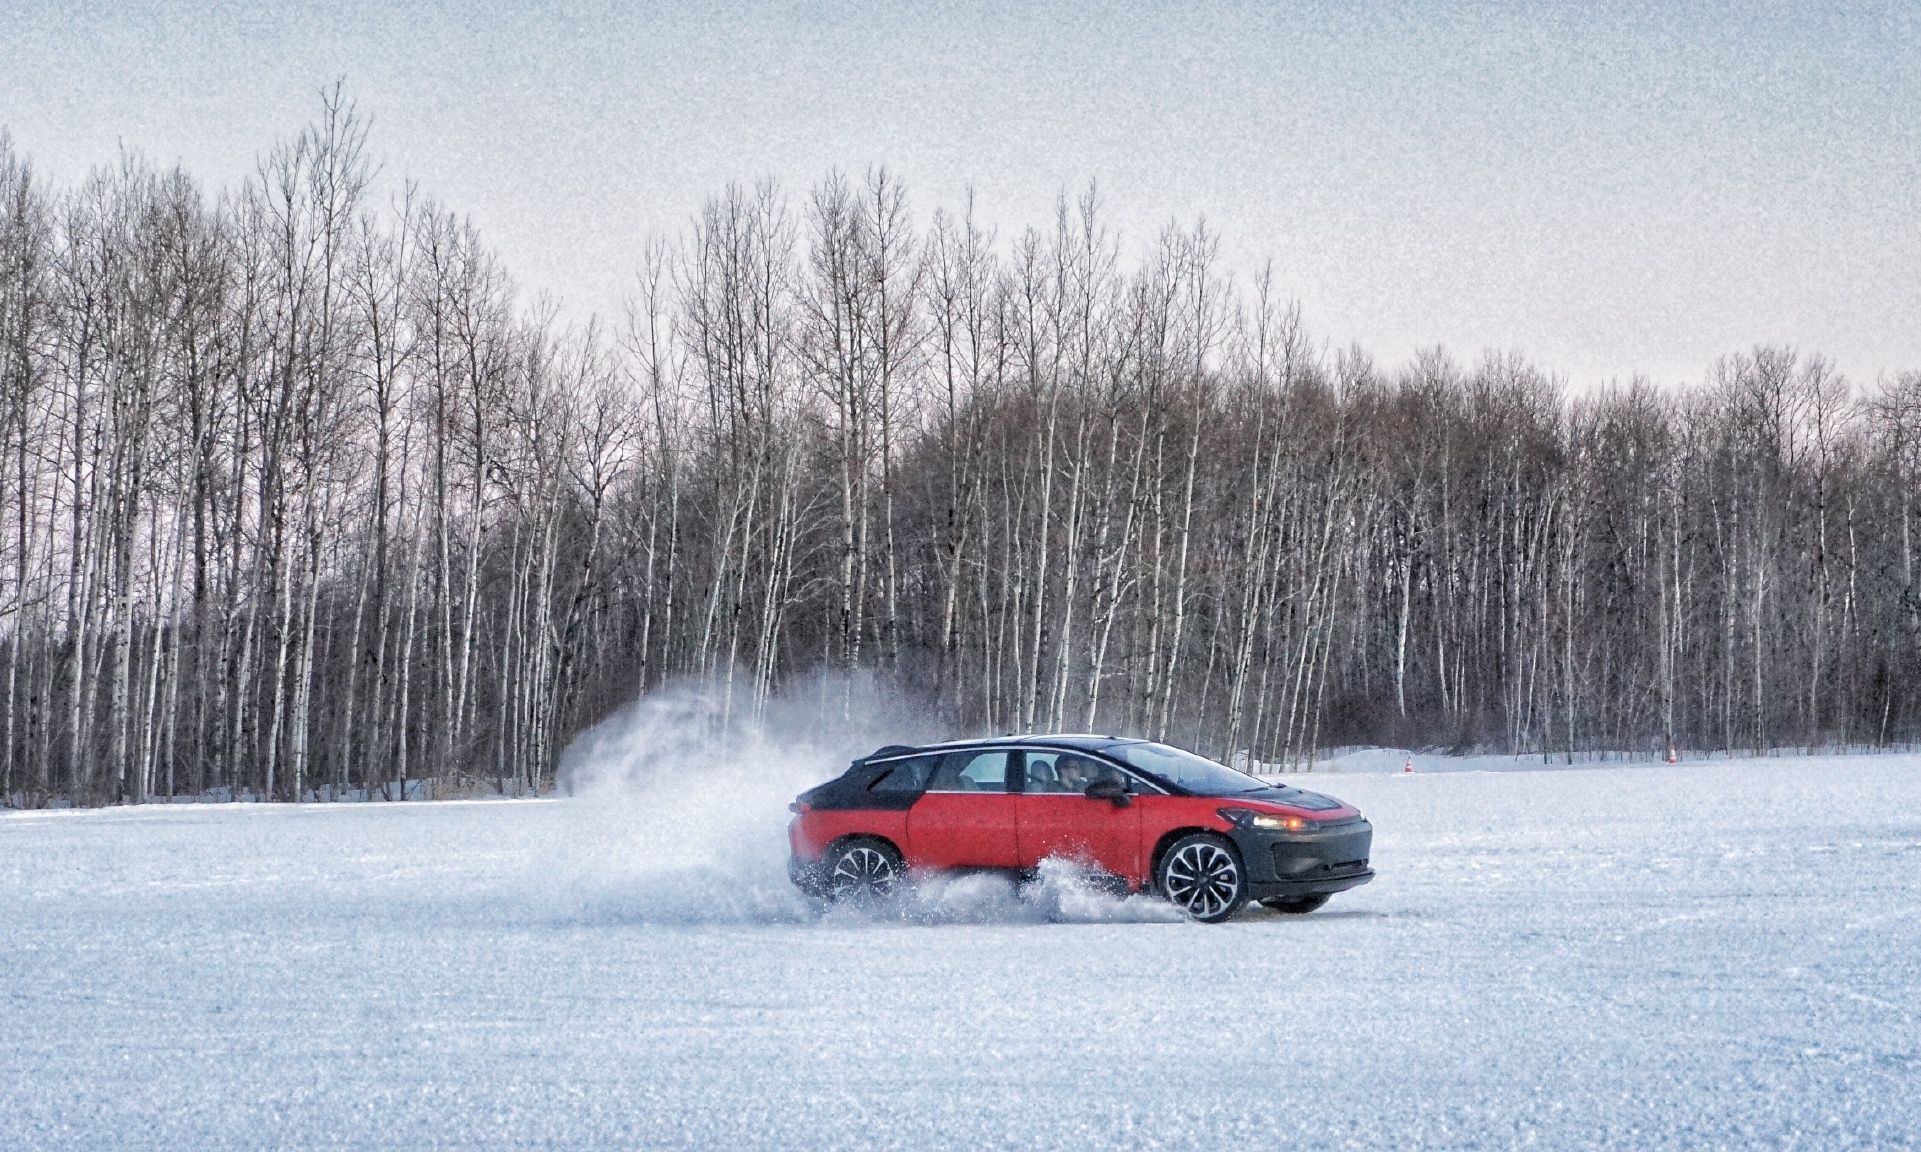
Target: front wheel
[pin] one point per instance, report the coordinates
(1202, 875)
(1296, 906)
(861, 869)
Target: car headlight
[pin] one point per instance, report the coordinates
(1265, 821)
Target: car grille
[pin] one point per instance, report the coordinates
(1289, 864)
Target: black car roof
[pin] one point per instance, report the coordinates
(1078, 740)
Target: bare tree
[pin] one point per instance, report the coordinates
(299, 498)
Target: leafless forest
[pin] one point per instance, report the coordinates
(300, 498)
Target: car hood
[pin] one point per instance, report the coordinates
(1287, 801)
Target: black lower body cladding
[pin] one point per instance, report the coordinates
(1292, 864)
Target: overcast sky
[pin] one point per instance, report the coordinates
(1609, 189)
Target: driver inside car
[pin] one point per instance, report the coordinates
(1076, 772)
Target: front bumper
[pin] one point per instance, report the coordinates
(1317, 863)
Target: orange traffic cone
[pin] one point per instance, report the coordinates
(1407, 766)
(1673, 756)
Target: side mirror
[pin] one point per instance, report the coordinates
(1111, 788)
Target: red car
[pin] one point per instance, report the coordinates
(1151, 817)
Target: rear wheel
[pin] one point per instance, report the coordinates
(1202, 875)
(861, 869)
(1295, 906)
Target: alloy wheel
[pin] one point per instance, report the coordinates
(1203, 879)
(861, 870)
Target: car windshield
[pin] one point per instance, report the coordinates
(1185, 770)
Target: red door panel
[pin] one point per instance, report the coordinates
(966, 817)
(1056, 817)
(962, 830)
(1076, 828)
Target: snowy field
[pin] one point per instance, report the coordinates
(1645, 957)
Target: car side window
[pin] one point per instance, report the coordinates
(905, 776)
(1042, 773)
(1062, 772)
(971, 772)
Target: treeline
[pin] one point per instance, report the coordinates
(300, 498)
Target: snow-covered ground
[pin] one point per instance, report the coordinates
(1634, 957)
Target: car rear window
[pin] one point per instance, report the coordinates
(905, 776)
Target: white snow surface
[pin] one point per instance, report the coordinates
(1719, 955)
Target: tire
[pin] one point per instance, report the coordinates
(861, 869)
(1296, 906)
(1202, 875)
